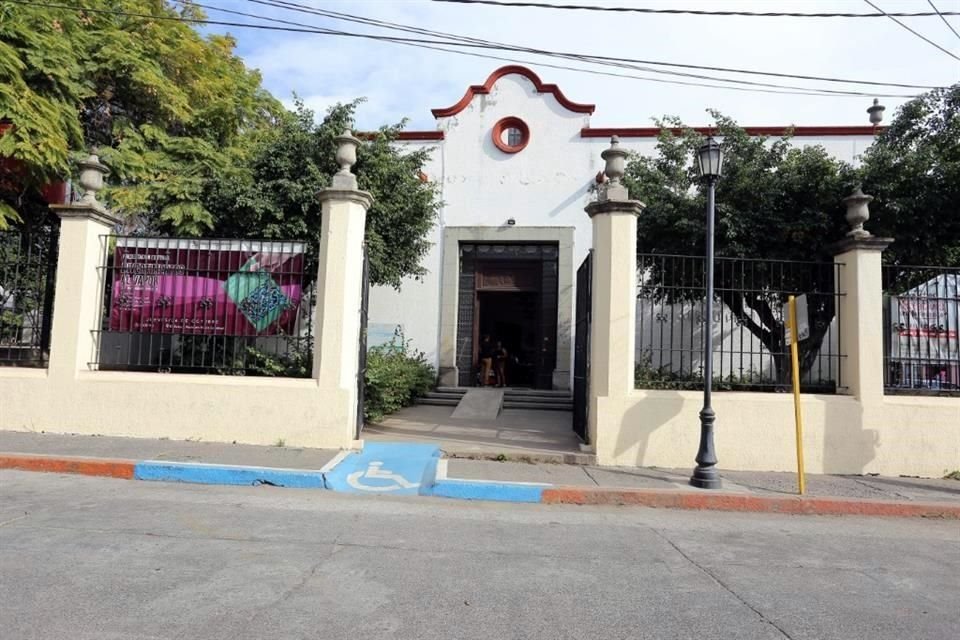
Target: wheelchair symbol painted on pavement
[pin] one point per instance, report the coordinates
(376, 472)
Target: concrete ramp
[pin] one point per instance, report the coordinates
(479, 404)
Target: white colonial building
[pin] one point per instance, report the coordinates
(515, 160)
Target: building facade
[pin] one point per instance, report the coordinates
(516, 161)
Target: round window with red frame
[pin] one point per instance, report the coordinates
(511, 134)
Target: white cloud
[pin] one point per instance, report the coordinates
(401, 81)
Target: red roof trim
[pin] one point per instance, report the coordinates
(653, 132)
(485, 88)
(405, 135)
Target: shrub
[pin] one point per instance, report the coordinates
(396, 375)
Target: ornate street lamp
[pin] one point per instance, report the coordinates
(710, 161)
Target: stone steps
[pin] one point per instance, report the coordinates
(530, 399)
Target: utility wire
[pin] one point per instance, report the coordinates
(486, 56)
(945, 21)
(407, 41)
(293, 6)
(922, 37)
(574, 57)
(698, 12)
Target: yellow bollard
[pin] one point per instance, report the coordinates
(795, 364)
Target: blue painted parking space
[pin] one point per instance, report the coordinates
(394, 469)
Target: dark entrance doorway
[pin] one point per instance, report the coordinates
(509, 292)
(512, 318)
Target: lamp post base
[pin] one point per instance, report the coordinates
(705, 478)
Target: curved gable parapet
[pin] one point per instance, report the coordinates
(486, 87)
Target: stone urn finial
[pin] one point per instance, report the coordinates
(858, 212)
(346, 157)
(92, 173)
(876, 112)
(615, 159)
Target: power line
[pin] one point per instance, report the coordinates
(922, 37)
(293, 6)
(486, 56)
(421, 44)
(945, 21)
(698, 12)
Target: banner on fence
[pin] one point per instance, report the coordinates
(206, 287)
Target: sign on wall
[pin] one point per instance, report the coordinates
(206, 287)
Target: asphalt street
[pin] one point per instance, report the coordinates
(96, 558)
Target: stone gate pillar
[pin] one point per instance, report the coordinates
(339, 279)
(78, 295)
(614, 304)
(860, 311)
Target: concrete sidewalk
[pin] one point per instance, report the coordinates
(749, 482)
(169, 450)
(487, 479)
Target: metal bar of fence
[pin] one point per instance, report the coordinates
(750, 351)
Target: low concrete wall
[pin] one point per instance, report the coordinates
(180, 407)
(70, 397)
(755, 431)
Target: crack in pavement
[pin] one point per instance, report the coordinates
(722, 584)
(6, 522)
(589, 475)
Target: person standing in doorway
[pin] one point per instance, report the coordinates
(500, 363)
(486, 360)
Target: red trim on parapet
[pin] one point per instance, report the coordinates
(405, 135)
(653, 132)
(518, 70)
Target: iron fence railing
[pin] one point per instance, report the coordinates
(213, 306)
(922, 329)
(750, 350)
(28, 263)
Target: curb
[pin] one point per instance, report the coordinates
(791, 505)
(203, 473)
(84, 466)
(465, 489)
(498, 491)
(580, 459)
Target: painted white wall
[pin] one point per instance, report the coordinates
(546, 184)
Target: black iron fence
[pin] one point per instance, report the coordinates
(581, 349)
(922, 324)
(750, 348)
(213, 306)
(28, 264)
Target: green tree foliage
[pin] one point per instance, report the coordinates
(774, 201)
(196, 146)
(913, 171)
(783, 202)
(275, 193)
(165, 106)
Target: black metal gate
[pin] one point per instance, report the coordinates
(28, 267)
(362, 360)
(581, 349)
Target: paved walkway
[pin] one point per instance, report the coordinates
(534, 435)
(748, 482)
(168, 450)
(585, 477)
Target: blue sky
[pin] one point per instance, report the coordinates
(404, 82)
